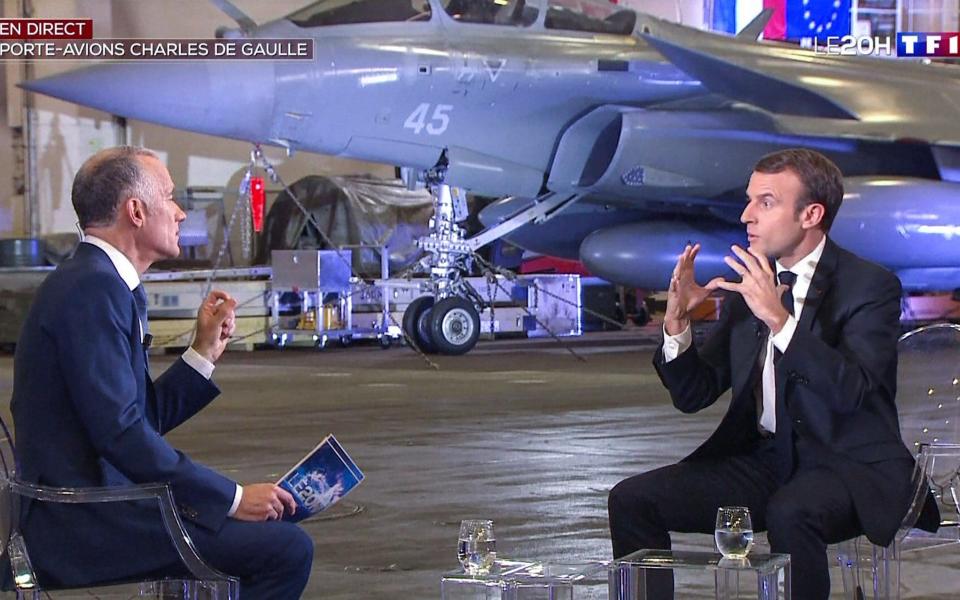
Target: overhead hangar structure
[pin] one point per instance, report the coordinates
(615, 137)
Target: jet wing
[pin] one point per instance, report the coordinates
(863, 97)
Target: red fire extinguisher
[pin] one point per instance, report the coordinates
(258, 202)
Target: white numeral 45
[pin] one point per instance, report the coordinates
(435, 125)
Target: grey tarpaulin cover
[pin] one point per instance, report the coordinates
(351, 210)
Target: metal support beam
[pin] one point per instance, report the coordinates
(542, 210)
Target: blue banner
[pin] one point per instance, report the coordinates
(724, 17)
(818, 19)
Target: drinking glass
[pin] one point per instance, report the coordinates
(734, 532)
(477, 546)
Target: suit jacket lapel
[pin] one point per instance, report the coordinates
(821, 283)
(89, 252)
(749, 336)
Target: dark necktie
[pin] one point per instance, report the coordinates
(788, 278)
(784, 437)
(140, 297)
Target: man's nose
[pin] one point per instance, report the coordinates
(745, 215)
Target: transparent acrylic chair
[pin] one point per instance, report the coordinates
(928, 400)
(207, 582)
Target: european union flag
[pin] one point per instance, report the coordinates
(817, 19)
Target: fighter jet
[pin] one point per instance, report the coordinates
(614, 137)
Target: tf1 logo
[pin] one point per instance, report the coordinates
(928, 45)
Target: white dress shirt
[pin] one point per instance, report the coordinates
(675, 345)
(129, 274)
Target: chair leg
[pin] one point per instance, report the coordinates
(848, 557)
(886, 572)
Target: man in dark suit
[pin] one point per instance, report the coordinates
(811, 440)
(87, 412)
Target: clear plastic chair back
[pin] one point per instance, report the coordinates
(928, 399)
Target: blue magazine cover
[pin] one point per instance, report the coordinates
(318, 481)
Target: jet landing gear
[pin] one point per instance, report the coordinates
(416, 323)
(447, 319)
(451, 326)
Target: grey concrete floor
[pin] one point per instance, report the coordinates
(520, 432)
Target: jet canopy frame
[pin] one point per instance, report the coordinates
(569, 15)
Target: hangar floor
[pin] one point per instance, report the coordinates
(518, 431)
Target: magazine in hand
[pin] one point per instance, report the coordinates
(318, 481)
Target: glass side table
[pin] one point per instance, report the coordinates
(763, 576)
(529, 580)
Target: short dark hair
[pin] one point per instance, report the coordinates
(821, 178)
(105, 180)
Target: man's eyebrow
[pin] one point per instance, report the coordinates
(761, 196)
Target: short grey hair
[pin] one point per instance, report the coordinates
(106, 180)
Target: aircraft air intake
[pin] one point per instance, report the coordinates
(625, 152)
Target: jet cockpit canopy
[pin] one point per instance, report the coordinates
(571, 15)
(326, 13)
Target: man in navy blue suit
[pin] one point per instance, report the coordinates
(88, 413)
(806, 341)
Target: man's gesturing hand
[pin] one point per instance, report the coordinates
(216, 321)
(757, 287)
(683, 294)
(264, 502)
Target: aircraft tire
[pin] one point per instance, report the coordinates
(414, 326)
(454, 326)
(642, 316)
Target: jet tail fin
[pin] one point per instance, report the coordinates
(754, 29)
(230, 9)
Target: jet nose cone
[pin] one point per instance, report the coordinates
(218, 98)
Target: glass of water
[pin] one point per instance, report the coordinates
(477, 546)
(734, 533)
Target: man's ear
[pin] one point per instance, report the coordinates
(135, 211)
(813, 215)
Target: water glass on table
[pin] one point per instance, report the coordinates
(477, 546)
(734, 532)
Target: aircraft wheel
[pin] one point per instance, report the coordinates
(385, 342)
(454, 325)
(346, 340)
(642, 316)
(414, 325)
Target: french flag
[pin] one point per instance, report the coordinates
(792, 20)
